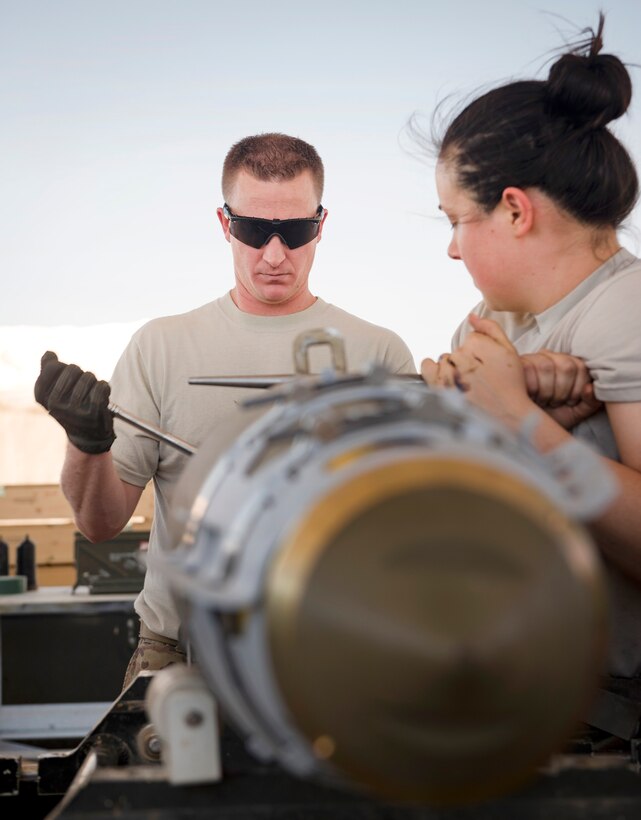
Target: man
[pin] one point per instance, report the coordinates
(266, 179)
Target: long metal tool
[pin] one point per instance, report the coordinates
(260, 382)
(264, 382)
(152, 430)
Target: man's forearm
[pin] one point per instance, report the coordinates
(101, 502)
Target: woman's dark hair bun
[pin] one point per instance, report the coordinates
(588, 91)
(586, 88)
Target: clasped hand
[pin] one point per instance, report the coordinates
(490, 371)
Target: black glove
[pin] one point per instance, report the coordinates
(77, 400)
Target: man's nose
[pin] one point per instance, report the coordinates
(274, 251)
(452, 249)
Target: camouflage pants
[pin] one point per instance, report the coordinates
(153, 652)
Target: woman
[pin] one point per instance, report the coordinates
(535, 186)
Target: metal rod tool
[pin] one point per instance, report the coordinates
(264, 382)
(153, 431)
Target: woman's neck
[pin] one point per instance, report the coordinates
(561, 255)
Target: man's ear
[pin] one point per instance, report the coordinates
(320, 227)
(519, 209)
(224, 222)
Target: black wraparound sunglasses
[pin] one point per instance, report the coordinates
(251, 230)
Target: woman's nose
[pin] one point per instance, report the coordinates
(452, 249)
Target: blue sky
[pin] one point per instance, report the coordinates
(116, 117)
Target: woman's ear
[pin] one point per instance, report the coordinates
(519, 209)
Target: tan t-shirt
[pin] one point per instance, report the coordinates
(151, 382)
(599, 321)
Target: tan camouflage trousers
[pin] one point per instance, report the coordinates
(153, 652)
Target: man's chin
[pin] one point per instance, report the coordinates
(275, 289)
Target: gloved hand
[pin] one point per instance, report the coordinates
(78, 401)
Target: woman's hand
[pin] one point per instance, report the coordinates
(488, 369)
(561, 385)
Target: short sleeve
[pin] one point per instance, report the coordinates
(134, 452)
(608, 338)
(398, 357)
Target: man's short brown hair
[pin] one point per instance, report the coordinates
(272, 157)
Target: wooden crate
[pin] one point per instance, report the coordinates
(43, 513)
